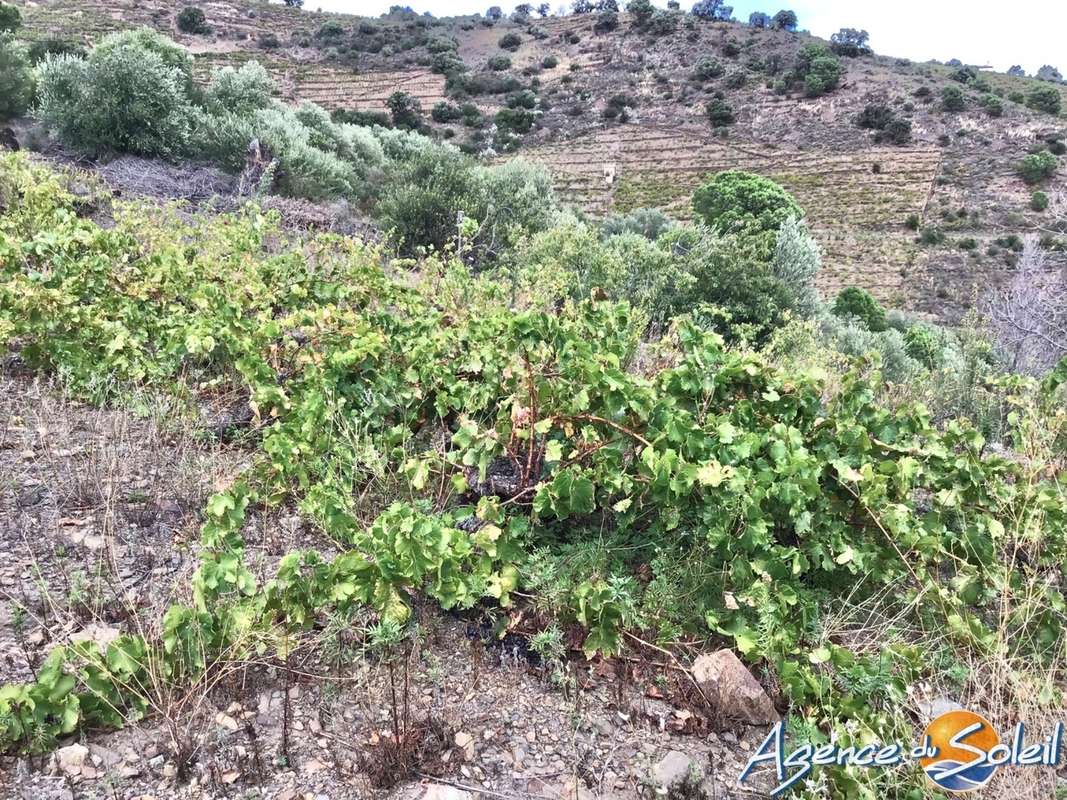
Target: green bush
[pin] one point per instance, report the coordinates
(16, 78)
(54, 46)
(239, 91)
(952, 99)
(130, 95)
(736, 79)
(550, 62)
(1044, 98)
(499, 63)
(10, 18)
(191, 19)
(510, 41)
(743, 203)
(859, 303)
(898, 131)
(406, 111)
(435, 182)
(993, 105)
(818, 69)
(708, 69)
(1036, 167)
(924, 345)
(169, 52)
(796, 262)
(875, 116)
(648, 222)
(931, 235)
(720, 113)
(1039, 201)
(446, 112)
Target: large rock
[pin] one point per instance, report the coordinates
(730, 687)
(674, 769)
(71, 759)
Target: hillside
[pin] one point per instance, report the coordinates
(956, 177)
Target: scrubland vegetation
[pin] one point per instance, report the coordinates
(644, 430)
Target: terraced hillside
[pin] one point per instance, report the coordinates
(854, 209)
(923, 224)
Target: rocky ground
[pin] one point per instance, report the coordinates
(99, 515)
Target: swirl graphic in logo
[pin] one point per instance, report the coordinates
(962, 740)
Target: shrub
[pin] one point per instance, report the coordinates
(931, 235)
(859, 303)
(517, 200)
(647, 222)
(550, 62)
(239, 91)
(10, 18)
(499, 63)
(736, 79)
(912, 222)
(618, 106)
(818, 69)
(708, 69)
(1044, 98)
(796, 263)
(875, 116)
(719, 112)
(419, 208)
(16, 78)
(897, 131)
(54, 46)
(606, 21)
(406, 111)
(952, 99)
(191, 19)
(993, 105)
(924, 345)
(361, 118)
(641, 11)
(740, 202)
(851, 337)
(446, 112)
(268, 41)
(447, 63)
(510, 41)
(513, 120)
(330, 31)
(663, 23)
(1039, 201)
(129, 95)
(1036, 167)
(731, 49)
(485, 83)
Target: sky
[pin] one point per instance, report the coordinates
(1025, 32)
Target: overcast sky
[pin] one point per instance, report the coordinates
(1026, 32)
